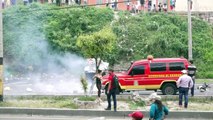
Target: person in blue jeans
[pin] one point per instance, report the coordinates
(111, 91)
(157, 110)
(184, 83)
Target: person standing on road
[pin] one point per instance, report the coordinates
(192, 75)
(111, 91)
(184, 83)
(137, 115)
(98, 79)
(157, 110)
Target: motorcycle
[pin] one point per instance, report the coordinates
(203, 87)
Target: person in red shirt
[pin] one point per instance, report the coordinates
(137, 115)
(111, 91)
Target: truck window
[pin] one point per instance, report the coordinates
(176, 66)
(138, 70)
(154, 67)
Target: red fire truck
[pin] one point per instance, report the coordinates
(151, 74)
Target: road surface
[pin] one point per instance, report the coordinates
(25, 117)
(30, 88)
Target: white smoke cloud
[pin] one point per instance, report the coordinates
(50, 73)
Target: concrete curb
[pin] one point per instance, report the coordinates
(99, 113)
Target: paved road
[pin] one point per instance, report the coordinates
(29, 88)
(24, 117)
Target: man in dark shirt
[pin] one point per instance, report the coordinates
(111, 91)
(192, 70)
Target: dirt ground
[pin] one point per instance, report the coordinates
(172, 105)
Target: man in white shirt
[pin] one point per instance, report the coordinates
(184, 83)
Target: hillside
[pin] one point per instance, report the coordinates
(34, 35)
(164, 35)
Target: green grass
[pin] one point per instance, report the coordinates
(40, 102)
(87, 98)
(45, 102)
(135, 105)
(201, 81)
(195, 103)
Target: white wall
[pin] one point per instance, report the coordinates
(198, 5)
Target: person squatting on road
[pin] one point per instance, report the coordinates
(137, 115)
(111, 91)
(184, 83)
(98, 79)
(157, 110)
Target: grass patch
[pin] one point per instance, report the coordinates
(132, 105)
(86, 98)
(201, 81)
(44, 102)
(135, 105)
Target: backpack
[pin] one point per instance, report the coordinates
(116, 84)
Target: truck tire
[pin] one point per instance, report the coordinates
(169, 89)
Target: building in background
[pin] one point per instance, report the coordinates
(198, 5)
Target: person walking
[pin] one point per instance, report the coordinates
(98, 79)
(111, 91)
(137, 115)
(184, 83)
(157, 110)
(191, 73)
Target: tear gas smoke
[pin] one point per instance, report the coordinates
(36, 69)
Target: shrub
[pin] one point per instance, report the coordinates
(84, 83)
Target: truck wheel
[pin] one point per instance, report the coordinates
(169, 89)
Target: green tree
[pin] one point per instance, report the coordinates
(64, 26)
(163, 35)
(23, 36)
(31, 32)
(98, 44)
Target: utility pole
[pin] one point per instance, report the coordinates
(1, 52)
(189, 31)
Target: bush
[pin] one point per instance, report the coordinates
(164, 36)
(209, 74)
(86, 98)
(84, 83)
